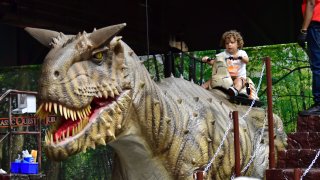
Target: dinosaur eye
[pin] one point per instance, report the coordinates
(98, 55)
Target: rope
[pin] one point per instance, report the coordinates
(257, 147)
(310, 166)
(229, 126)
(258, 89)
(263, 126)
(220, 146)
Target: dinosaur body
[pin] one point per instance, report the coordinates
(158, 131)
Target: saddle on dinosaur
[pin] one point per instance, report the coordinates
(222, 80)
(103, 94)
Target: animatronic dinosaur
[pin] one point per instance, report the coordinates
(158, 131)
(222, 80)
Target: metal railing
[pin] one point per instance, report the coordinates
(10, 132)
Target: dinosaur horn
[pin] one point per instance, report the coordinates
(102, 35)
(44, 36)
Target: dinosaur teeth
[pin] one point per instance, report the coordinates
(63, 135)
(72, 115)
(65, 113)
(55, 108)
(105, 94)
(68, 132)
(82, 113)
(40, 108)
(87, 110)
(73, 131)
(41, 112)
(79, 115)
(112, 94)
(49, 106)
(60, 109)
(68, 113)
(51, 139)
(46, 106)
(116, 92)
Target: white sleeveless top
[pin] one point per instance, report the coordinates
(236, 67)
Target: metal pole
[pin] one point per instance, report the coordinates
(270, 114)
(236, 142)
(199, 175)
(39, 145)
(10, 131)
(297, 174)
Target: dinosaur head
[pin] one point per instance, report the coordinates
(83, 81)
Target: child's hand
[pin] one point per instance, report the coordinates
(206, 59)
(235, 58)
(231, 58)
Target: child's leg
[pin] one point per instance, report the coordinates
(239, 83)
(206, 85)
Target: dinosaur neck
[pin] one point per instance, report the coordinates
(150, 105)
(144, 125)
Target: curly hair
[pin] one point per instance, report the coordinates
(229, 34)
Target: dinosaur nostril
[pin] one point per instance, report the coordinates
(56, 73)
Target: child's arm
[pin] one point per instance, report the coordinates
(242, 56)
(244, 59)
(208, 60)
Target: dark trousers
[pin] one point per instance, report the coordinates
(313, 39)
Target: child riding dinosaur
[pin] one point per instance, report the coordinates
(235, 59)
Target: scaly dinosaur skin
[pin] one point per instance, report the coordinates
(158, 131)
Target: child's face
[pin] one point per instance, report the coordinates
(231, 45)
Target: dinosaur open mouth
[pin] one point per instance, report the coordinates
(71, 122)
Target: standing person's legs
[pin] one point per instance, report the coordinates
(314, 49)
(313, 39)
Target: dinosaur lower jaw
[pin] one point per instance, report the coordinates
(74, 123)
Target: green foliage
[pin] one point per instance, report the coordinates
(291, 76)
(92, 165)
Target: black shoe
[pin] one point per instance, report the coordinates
(313, 110)
(233, 91)
(248, 89)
